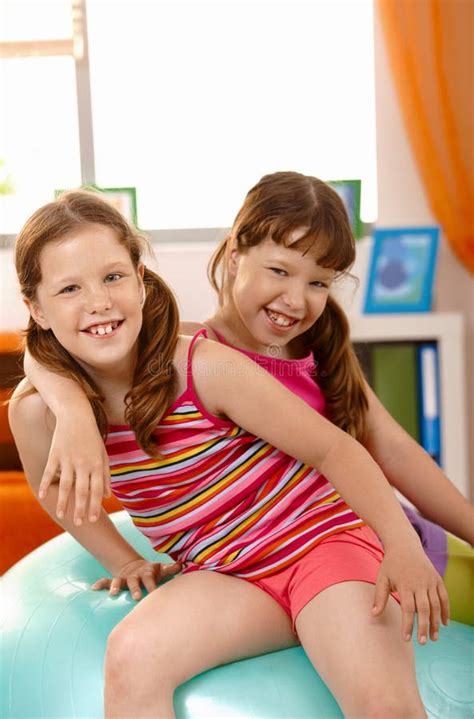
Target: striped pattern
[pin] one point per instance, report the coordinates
(221, 498)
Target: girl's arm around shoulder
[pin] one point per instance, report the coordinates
(77, 453)
(32, 426)
(415, 474)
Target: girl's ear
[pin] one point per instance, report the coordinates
(233, 258)
(141, 284)
(36, 313)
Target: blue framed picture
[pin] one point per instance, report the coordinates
(350, 191)
(402, 268)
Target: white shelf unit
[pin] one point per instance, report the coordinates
(447, 329)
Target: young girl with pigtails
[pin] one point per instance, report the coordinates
(272, 512)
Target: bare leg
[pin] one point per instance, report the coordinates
(193, 623)
(364, 661)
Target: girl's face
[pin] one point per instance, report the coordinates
(90, 296)
(277, 293)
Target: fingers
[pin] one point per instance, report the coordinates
(64, 490)
(101, 584)
(169, 570)
(444, 602)
(431, 607)
(146, 574)
(82, 495)
(96, 492)
(435, 613)
(407, 601)
(115, 585)
(133, 583)
(106, 475)
(48, 477)
(424, 614)
(107, 485)
(149, 580)
(382, 591)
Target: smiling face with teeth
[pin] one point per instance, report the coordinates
(90, 298)
(276, 294)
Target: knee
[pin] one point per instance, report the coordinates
(119, 656)
(128, 651)
(392, 706)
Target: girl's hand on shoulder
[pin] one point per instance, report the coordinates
(421, 590)
(136, 573)
(78, 462)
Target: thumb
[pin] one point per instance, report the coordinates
(168, 570)
(381, 594)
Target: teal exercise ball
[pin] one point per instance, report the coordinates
(54, 633)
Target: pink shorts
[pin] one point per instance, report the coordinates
(354, 555)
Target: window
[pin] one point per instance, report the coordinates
(39, 140)
(192, 102)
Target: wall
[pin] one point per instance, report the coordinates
(402, 201)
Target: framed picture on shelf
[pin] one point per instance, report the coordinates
(349, 191)
(401, 270)
(124, 199)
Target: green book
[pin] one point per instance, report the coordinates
(395, 382)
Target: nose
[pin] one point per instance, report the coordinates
(294, 296)
(97, 299)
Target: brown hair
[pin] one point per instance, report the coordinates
(154, 377)
(279, 204)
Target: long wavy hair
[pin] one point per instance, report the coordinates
(154, 378)
(279, 204)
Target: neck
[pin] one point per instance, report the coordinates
(112, 381)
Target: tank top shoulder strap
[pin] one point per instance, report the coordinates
(189, 370)
(221, 338)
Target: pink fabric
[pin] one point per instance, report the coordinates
(351, 556)
(299, 375)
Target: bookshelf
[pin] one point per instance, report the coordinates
(447, 330)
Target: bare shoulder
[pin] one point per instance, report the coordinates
(28, 413)
(32, 426)
(218, 369)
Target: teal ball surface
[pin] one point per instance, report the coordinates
(54, 634)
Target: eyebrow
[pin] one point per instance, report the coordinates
(324, 271)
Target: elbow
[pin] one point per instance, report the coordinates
(341, 449)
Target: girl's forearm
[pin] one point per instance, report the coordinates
(362, 484)
(412, 471)
(101, 538)
(58, 393)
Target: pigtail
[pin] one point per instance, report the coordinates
(339, 374)
(155, 377)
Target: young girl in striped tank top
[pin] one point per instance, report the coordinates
(258, 497)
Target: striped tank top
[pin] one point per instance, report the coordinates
(220, 498)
